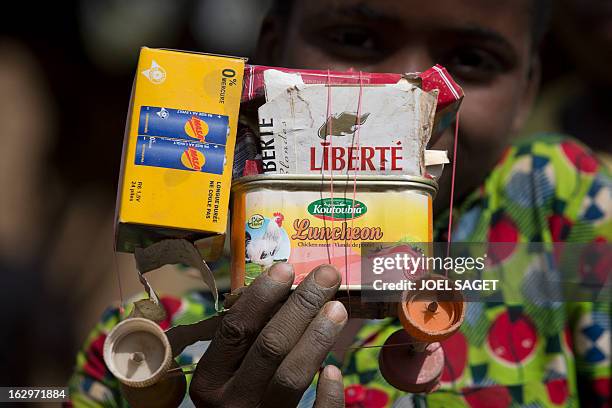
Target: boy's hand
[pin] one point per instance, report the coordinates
(271, 343)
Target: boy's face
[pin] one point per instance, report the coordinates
(486, 45)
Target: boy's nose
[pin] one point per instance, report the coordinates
(408, 59)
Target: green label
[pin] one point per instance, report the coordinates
(256, 221)
(339, 209)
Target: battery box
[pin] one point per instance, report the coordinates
(177, 154)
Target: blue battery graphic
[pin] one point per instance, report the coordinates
(183, 124)
(179, 154)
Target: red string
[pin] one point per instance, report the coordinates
(452, 192)
(347, 270)
(357, 129)
(331, 171)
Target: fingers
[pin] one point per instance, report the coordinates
(330, 390)
(298, 369)
(239, 328)
(281, 335)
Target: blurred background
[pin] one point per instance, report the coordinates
(66, 71)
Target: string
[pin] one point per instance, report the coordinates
(182, 370)
(120, 287)
(452, 192)
(405, 344)
(327, 125)
(331, 167)
(350, 158)
(324, 223)
(190, 368)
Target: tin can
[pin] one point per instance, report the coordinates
(308, 220)
(179, 154)
(183, 124)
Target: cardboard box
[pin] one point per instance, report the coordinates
(177, 155)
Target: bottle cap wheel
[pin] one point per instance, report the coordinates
(137, 352)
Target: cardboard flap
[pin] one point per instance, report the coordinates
(184, 335)
(173, 251)
(435, 161)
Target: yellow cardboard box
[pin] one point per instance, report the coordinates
(177, 155)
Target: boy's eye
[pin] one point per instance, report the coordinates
(351, 42)
(352, 37)
(472, 64)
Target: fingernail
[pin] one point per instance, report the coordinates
(281, 272)
(327, 276)
(335, 311)
(332, 372)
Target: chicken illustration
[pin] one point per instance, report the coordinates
(261, 250)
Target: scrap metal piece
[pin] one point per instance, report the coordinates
(173, 251)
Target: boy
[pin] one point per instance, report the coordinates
(490, 49)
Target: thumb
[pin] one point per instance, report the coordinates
(330, 389)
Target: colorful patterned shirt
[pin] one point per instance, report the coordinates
(507, 354)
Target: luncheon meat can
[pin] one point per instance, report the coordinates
(308, 220)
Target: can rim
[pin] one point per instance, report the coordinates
(316, 180)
